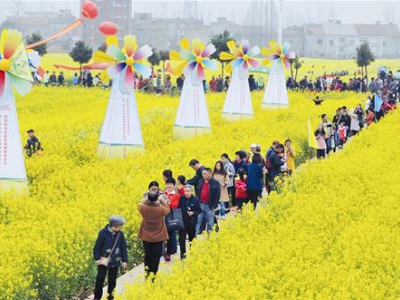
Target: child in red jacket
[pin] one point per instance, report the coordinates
(241, 187)
(173, 202)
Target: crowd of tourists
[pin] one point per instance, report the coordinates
(84, 78)
(384, 81)
(182, 208)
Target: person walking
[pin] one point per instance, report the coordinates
(290, 155)
(110, 253)
(329, 134)
(240, 160)
(209, 193)
(195, 165)
(190, 206)
(320, 135)
(173, 202)
(240, 189)
(221, 176)
(230, 171)
(255, 178)
(275, 163)
(153, 231)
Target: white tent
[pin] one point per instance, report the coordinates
(276, 95)
(12, 165)
(238, 104)
(121, 133)
(192, 118)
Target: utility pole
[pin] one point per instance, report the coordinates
(280, 16)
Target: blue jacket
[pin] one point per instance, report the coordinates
(104, 244)
(215, 192)
(192, 204)
(276, 164)
(238, 165)
(255, 177)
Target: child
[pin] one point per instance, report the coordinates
(173, 202)
(370, 117)
(342, 134)
(241, 187)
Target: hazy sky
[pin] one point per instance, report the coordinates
(296, 11)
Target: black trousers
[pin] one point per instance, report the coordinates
(101, 277)
(191, 232)
(253, 196)
(152, 255)
(182, 242)
(232, 192)
(321, 153)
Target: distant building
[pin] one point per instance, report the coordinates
(163, 33)
(45, 23)
(339, 41)
(117, 11)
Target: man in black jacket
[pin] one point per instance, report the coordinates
(209, 193)
(195, 165)
(276, 162)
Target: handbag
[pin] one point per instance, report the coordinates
(174, 220)
(104, 261)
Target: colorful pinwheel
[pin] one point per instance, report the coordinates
(278, 53)
(14, 62)
(240, 56)
(193, 61)
(125, 61)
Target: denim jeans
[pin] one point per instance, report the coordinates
(207, 214)
(222, 211)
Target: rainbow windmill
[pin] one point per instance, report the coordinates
(14, 73)
(121, 133)
(192, 118)
(238, 104)
(276, 93)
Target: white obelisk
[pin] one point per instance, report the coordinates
(12, 164)
(238, 104)
(276, 95)
(121, 132)
(192, 118)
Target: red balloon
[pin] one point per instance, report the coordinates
(108, 28)
(89, 10)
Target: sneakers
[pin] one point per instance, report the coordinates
(167, 257)
(223, 218)
(183, 256)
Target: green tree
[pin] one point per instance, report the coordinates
(34, 38)
(81, 53)
(296, 65)
(164, 56)
(364, 57)
(220, 42)
(155, 58)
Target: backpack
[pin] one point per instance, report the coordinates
(241, 187)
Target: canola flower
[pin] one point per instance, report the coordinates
(47, 238)
(333, 233)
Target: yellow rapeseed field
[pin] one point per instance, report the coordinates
(47, 238)
(333, 233)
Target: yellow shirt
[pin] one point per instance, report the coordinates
(290, 159)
